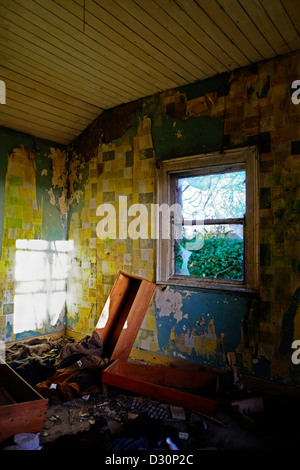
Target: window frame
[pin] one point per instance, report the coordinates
(168, 172)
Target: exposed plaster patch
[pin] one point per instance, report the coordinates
(169, 302)
(59, 180)
(52, 196)
(75, 177)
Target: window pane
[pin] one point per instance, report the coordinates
(214, 196)
(211, 251)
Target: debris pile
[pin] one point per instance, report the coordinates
(119, 421)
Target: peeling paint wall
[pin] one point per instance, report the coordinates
(126, 168)
(33, 208)
(196, 326)
(251, 106)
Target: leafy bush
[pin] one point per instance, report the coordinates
(219, 257)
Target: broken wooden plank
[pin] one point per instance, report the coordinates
(116, 375)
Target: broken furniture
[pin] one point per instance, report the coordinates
(164, 384)
(22, 409)
(118, 327)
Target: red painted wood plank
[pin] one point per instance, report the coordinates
(160, 393)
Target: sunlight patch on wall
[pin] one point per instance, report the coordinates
(41, 272)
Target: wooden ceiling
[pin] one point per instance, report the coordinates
(65, 61)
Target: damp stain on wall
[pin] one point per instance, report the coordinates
(111, 125)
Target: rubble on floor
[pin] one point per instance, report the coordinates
(117, 420)
(111, 419)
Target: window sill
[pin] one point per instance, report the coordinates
(208, 286)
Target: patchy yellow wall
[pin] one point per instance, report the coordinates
(125, 167)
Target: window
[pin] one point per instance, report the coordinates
(213, 239)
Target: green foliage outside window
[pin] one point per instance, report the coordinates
(220, 258)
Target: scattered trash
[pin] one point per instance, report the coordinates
(178, 413)
(132, 415)
(171, 444)
(54, 418)
(25, 441)
(153, 409)
(249, 405)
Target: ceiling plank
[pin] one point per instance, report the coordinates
(34, 117)
(45, 113)
(258, 15)
(80, 78)
(61, 115)
(230, 29)
(245, 23)
(293, 12)
(90, 48)
(21, 83)
(66, 51)
(163, 35)
(196, 35)
(122, 51)
(199, 15)
(279, 16)
(170, 56)
(21, 125)
(39, 70)
(65, 61)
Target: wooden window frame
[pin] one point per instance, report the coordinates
(170, 170)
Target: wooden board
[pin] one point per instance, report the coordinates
(159, 383)
(22, 409)
(123, 314)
